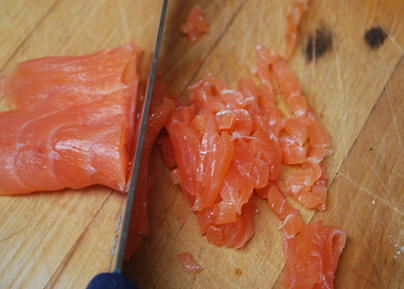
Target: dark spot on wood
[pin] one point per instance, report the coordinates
(318, 44)
(238, 272)
(370, 149)
(375, 37)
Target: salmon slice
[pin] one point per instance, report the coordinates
(69, 126)
(312, 256)
(293, 19)
(290, 87)
(293, 153)
(188, 263)
(316, 197)
(195, 25)
(292, 225)
(161, 107)
(70, 123)
(73, 80)
(318, 136)
(279, 204)
(167, 152)
(232, 235)
(185, 152)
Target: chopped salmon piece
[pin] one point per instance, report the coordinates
(294, 18)
(195, 25)
(312, 256)
(188, 263)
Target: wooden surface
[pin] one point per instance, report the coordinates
(60, 240)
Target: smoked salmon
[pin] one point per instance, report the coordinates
(195, 25)
(70, 126)
(229, 143)
(312, 256)
(294, 17)
(69, 122)
(188, 263)
(161, 108)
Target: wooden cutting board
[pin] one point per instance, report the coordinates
(61, 240)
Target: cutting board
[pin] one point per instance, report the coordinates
(60, 240)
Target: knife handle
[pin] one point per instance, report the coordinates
(111, 281)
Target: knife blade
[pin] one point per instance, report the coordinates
(116, 280)
(141, 130)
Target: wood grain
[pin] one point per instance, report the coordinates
(343, 85)
(38, 231)
(76, 28)
(367, 197)
(18, 19)
(180, 60)
(60, 240)
(95, 249)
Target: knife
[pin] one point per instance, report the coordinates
(116, 280)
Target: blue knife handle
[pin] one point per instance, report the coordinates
(111, 281)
